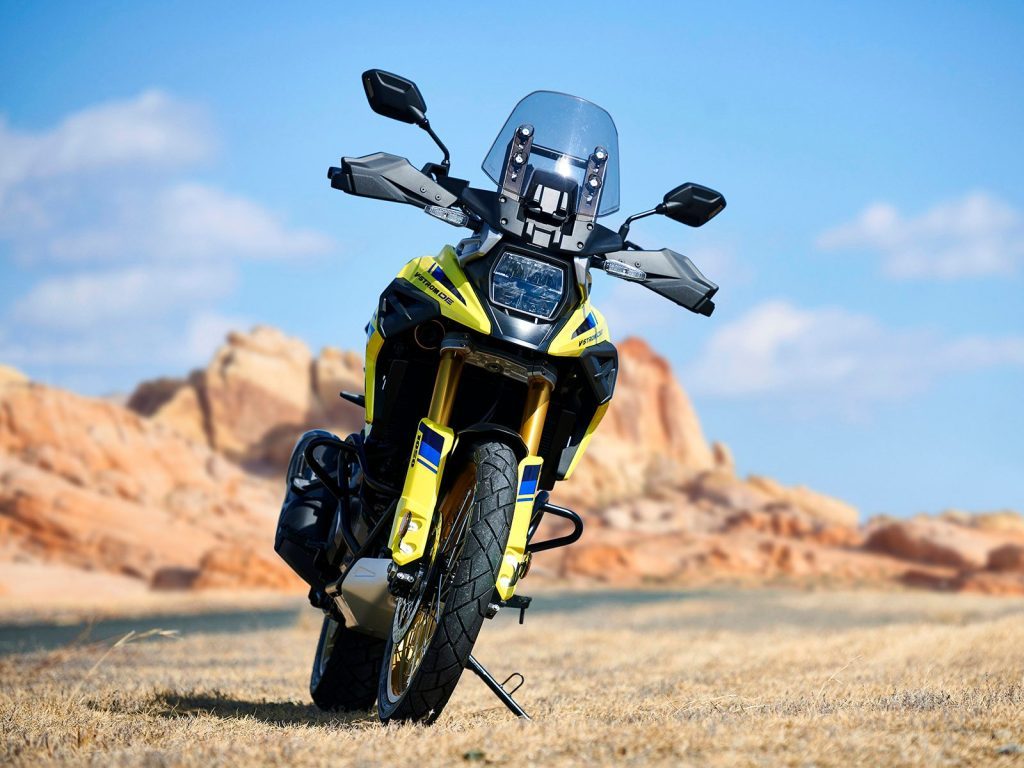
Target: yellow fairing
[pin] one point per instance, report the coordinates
(444, 281)
(419, 494)
(374, 341)
(515, 550)
(585, 328)
(582, 447)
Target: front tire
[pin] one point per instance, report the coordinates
(431, 639)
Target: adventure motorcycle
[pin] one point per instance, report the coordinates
(487, 372)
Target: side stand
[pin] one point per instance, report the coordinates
(497, 688)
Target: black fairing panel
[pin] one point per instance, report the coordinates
(520, 330)
(601, 366)
(402, 307)
(589, 383)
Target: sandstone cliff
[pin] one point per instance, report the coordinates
(259, 392)
(161, 493)
(91, 485)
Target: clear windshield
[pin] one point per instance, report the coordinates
(567, 130)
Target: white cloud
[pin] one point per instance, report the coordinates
(182, 221)
(151, 130)
(165, 345)
(975, 236)
(86, 302)
(834, 359)
(134, 258)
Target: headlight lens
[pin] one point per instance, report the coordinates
(527, 285)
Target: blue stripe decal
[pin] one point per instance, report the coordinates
(589, 323)
(431, 445)
(525, 498)
(438, 274)
(432, 469)
(530, 476)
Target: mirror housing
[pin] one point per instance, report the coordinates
(692, 204)
(395, 97)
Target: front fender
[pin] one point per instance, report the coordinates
(498, 432)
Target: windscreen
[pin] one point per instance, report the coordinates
(567, 130)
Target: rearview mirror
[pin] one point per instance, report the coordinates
(394, 96)
(692, 204)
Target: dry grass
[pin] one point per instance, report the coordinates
(719, 678)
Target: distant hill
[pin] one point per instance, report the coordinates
(180, 488)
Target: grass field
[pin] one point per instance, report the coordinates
(711, 678)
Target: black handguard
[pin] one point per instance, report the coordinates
(388, 177)
(673, 276)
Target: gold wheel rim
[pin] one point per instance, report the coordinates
(452, 516)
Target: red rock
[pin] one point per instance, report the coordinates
(90, 484)
(723, 458)
(261, 390)
(816, 505)
(791, 523)
(981, 582)
(10, 375)
(934, 542)
(236, 567)
(1007, 558)
(156, 495)
(986, 583)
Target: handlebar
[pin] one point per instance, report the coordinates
(389, 177)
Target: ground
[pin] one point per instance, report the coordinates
(722, 677)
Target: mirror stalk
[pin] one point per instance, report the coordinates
(624, 229)
(446, 161)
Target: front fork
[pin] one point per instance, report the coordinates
(410, 531)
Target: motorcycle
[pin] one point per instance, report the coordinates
(487, 372)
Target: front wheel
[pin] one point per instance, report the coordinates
(434, 628)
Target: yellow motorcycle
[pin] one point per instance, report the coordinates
(487, 372)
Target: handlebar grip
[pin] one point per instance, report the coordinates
(339, 179)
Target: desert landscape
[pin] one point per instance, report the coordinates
(704, 619)
(176, 488)
(804, 512)
(699, 677)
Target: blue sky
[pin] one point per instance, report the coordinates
(162, 179)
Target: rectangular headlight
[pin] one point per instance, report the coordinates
(527, 285)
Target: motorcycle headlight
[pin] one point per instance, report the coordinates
(527, 285)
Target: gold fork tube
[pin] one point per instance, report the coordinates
(445, 386)
(538, 397)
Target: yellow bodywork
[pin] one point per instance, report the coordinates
(430, 451)
(514, 558)
(585, 328)
(443, 279)
(461, 304)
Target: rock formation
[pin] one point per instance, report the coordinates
(259, 392)
(90, 484)
(180, 490)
